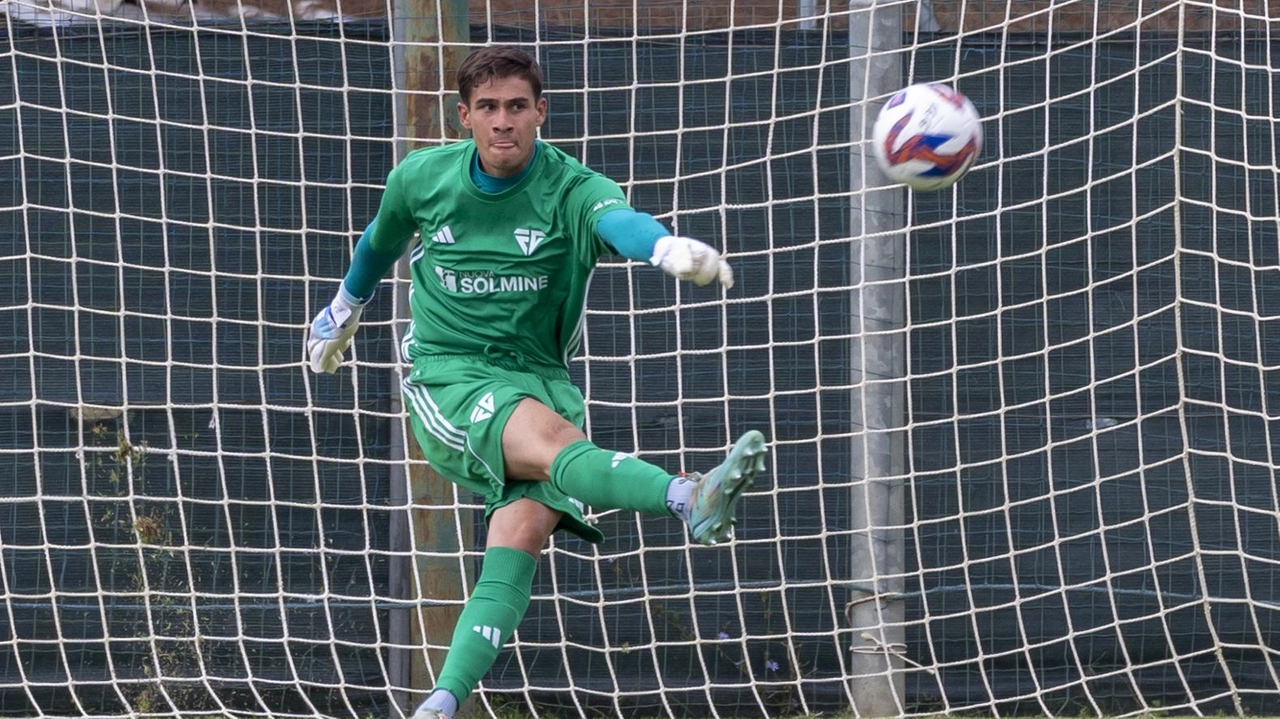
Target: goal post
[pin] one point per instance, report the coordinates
(878, 344)
(1021, 431)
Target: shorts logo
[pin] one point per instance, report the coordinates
(483, 409)
(529, 240)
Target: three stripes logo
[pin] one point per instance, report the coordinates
(491, 633)
(444, 236)
(529, 240)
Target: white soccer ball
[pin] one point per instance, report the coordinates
(927, 136)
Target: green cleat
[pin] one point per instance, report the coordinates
(715, 499)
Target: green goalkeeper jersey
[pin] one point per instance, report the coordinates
(503, 274)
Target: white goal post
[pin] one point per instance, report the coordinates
(1021, 447)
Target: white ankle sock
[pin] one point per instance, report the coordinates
(441, 699)
(680, 496)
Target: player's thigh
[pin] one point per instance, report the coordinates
(444, 443)
(525, 524)
(490, 424)
(459, 417)
(533, 436)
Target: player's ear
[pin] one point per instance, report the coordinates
(464, 115)
(542, 110)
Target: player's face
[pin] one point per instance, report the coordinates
(504, 119)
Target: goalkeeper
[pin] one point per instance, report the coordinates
(510, 230)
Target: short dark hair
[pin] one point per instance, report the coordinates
(498, 61)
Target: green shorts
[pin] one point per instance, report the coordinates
(458, 407)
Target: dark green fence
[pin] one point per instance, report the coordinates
(155, 252)
(1061, 438)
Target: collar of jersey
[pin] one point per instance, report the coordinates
(489, 187)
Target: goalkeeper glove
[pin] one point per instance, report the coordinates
(692, 260)
(331, 332)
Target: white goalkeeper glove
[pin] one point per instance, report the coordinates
(692, 260)
(331, 332)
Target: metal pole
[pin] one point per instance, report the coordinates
(431, 38)
(399, 629)
(806, 9)
(879, 363)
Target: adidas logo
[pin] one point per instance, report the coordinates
(444, 236)
(529, 240)
(491, 633)
(483, 410)
(617, 459)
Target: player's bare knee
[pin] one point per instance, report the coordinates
(550, 442)
(525, 525)
(527, 540)
(534, 435)
(564, 435)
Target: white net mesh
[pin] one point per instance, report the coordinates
(1020, 431)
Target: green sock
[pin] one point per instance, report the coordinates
(610, 480)
(497, 604)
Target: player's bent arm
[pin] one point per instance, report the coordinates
(332, 329)
(370, 263)
(638, 236)
(381, 245)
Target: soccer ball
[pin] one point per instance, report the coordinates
(927, 136)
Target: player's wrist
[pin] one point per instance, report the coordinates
(345, 299)
(340, 317)
(662, 248)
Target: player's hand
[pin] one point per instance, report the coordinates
(692, 260)
(331, 333)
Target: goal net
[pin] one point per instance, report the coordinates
(1021, 458)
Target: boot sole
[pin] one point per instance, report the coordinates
(739, 470)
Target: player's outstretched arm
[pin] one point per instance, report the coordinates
(640, 237)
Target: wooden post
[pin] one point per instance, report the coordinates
(431, 41)
(437, 34)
